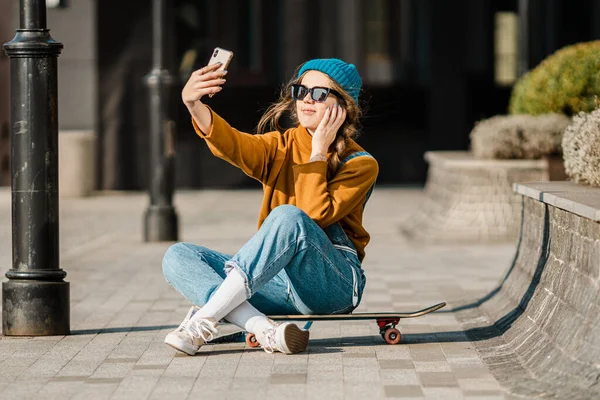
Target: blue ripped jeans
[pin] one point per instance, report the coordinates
(291, 265)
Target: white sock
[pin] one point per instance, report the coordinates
(249, 318)
(227, 297)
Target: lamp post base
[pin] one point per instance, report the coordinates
(160, 224)
(35, 308)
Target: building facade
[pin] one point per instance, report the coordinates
(431, 68)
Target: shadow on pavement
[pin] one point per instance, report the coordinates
(122, 329)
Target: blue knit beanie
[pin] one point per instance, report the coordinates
(344, 74)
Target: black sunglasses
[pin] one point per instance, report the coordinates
(317, 93)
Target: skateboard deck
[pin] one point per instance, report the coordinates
(386, 321)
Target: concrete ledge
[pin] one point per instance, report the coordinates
(546, 310)
(569, 196)
(464, 159)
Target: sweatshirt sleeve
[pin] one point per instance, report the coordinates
(328, 202)
(251, 153)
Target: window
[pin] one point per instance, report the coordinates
(505, 48)
(379, 62)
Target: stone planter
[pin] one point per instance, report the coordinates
(468, 199)
(76, 163)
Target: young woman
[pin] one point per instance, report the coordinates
(306, 255)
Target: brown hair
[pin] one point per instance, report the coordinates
(349, 129)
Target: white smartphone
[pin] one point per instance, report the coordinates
(223, 56)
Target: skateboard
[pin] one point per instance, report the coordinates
(386, 321)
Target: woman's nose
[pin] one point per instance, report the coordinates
(309, 100)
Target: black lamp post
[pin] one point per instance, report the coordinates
(160, 220)
(35, 300)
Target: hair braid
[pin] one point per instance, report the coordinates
(339, 148)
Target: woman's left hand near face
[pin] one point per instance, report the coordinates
(326, 132)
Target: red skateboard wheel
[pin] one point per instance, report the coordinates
(251, 340)
(392, 336)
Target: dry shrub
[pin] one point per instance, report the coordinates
(581, 147)
(518, 136)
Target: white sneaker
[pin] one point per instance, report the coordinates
(192, 333)
(190, 314)
(286, 338)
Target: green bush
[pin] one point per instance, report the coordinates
(518, 136)
(566, 82)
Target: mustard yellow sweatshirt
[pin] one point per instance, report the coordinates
(280, 161)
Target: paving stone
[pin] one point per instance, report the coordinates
(443, 393)
(328, 390)
(172, 387)
(257, 394)
(369, 363)
(136, 387)
(483, 394)
(66, 378)
(398, 391)
(358, 390)
(289, 378)
(336, 375)
(210, 388)
(289, 368)
(59, 390)
(112, 370)
(292, 390)
(427, 352)
(399, 376)
(484, 383)
(359, 374)
(432, 366)
(393, 353)
(256, 371)
(468, 372)
(18, 390)
(438, 379)
(396, 364)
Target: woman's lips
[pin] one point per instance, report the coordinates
(308, 112)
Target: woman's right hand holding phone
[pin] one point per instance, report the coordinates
(207, 80)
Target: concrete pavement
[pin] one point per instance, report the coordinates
(121, 309)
